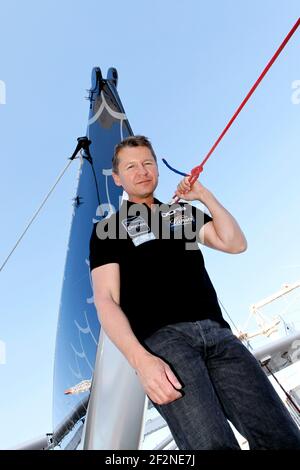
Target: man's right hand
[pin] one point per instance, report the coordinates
(158, 380)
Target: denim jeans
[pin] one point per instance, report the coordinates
(221, 380)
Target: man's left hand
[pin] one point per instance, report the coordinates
(184, 190)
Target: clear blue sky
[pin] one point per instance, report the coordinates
(183, 70)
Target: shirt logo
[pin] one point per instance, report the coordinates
(138, 229)
(135, 225)
(181, 220)
(173, 211)
(177, 217)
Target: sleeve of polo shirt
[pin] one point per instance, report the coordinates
(102, 251)
(200, 219)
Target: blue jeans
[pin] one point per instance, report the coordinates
(221, 380)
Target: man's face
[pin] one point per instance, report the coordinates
(138, 172)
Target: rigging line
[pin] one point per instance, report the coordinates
(35, 214)
(288, 305)
(96, 184)
(289, 397)
(264, 72)
(198, 169)
(228, 315)
(84, 146)
(174, 169)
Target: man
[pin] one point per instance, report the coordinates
(157, 304)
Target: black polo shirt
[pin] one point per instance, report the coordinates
(163, 279)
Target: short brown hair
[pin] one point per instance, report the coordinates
(131, 141)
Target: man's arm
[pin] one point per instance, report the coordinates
(223, 232)
(155, 375)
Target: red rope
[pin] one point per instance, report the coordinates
(198, 169)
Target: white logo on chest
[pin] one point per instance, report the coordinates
(138, 230)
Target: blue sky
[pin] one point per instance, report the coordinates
(183, 70)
